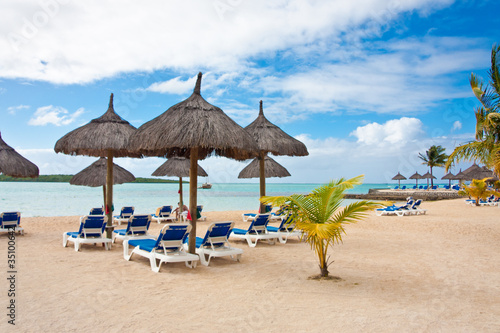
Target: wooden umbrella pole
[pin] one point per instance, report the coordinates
(262, 175)
(181, 204)
(109, 194)
(193, 183)
(104, 194)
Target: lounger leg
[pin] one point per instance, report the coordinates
(65, 239)
(203, 259)
(283, 239)
(154, 267)
(77, 245)
(126, 254)
(249, 241)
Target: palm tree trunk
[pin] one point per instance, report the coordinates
(432, 179)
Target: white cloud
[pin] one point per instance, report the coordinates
(173, 86)
(55, 115)
(456, 125)
(41, 41)
(14, 109)
(392, 132)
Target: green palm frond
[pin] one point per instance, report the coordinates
(474, 150)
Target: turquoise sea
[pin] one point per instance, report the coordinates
(62, 199)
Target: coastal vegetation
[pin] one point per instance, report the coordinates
(486, 146)
(434, 157)
(322, 217)
(66, 178)
(478, 190)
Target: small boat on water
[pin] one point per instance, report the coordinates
(206, 186)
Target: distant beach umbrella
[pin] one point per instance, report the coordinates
(399, 177)
(194, 129)
(449, 176)
(177, 167)
(428, 176)
(272, 168)
(272, 139)
(13, 164)
(416, 176)
(477, 172)
(96, 175)
(106, 136)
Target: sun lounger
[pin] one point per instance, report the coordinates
(413, 209)
(91, 232)
(96, 211)
(286, 229)
(256, 231)
(137, 228)
(168, 247)
(393, 210)
(216, 244)
(10, 221)
(200, 217)
(125, 214)
(163, 214)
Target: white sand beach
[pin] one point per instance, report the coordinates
(438, 272)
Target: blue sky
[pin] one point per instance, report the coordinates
(365, 84)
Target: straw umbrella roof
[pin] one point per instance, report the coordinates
(428, 176)
(193, 123)
(108, 132)
(273, 169)
(399, 177)
(272, 139)
(416, 175)
(460, 176)
(177, 167)
(449, 176)
(13, 164)
(95, 175)
(477, 172)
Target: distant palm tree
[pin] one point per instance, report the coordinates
(321, 216)
(434, 157)
(486, 147)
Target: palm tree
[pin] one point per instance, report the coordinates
(321, 216)
(486, 147)
(478, 189)
(434, 157)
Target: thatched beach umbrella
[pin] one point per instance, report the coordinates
(177, 167)
(428, 176)
(194, 129)
(449, 176)
(273, 169)
(96, 175)
(13, 164)
(480, 173)
(472, 171)
(399, 177)
(271, 139)
(416, 176)
(106, 136)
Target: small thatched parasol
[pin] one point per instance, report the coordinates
(477, 172)
(399, 177)
(194, 129)
(428, 176)
(273, 169)
(272, 139)
(13, 164)
(416, 176)
(177, 167)
(449, 176)
(95, 175)
(472, 171)
(106, 136)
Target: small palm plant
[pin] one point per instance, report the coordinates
(321, 216)
(478, 189)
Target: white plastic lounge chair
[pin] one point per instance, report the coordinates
(96, 211)
(163, 214)
(256, 231)
(11, 221)
(168, 247)
(137, 228)
(286, 229)
(91, 232)
(216, 244)
(413, 210)
(125, 214)
(393, 210)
